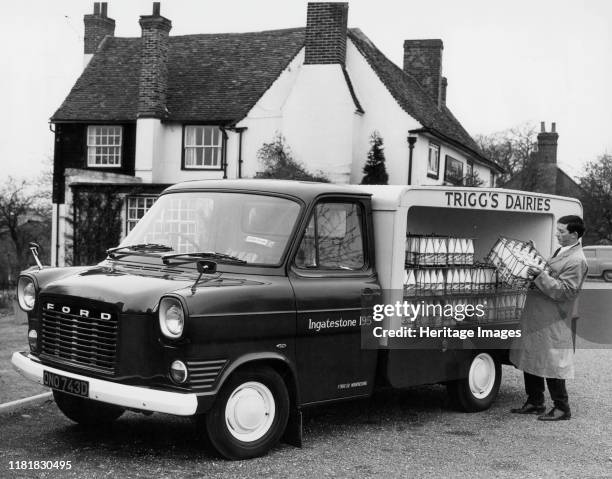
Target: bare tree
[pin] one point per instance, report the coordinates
(513, 150)
(597, 199)
(25, 215)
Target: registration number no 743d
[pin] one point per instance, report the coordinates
(65, 384)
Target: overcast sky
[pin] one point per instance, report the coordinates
(507, 63)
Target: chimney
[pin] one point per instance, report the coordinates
(547, 144)
(153, 83)
(97, 26)
(443, 93)
(326, 33)
(423, 60)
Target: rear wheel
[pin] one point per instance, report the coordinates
(478, 391)
(607, 276)
(249, 415)
(86, 411)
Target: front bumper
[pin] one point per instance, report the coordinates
(135, 397)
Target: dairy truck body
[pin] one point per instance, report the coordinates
(243, 302)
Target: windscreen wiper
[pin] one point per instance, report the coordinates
(204, 254)
(141, 247)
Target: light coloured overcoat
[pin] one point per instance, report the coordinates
(545, 347)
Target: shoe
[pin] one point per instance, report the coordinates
(555, 414)
(529, 408)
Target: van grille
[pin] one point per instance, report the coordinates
(79, 335)
(204, 374)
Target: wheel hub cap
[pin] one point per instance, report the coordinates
(482, 375)
(249, 412)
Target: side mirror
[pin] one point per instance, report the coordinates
(206, 267)
(35, 248)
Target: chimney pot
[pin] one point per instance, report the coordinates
(156, 9)
(97, 26)
(542, 126)
(554, 127)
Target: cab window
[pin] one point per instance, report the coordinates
(333, 239)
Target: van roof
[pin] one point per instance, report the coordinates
(384, 197)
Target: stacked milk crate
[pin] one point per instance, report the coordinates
(440, 270)
(512, 259)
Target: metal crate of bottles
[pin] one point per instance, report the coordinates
(438, 250)
(512, 258)
(449, 280)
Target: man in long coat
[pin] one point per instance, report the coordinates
(545, 349)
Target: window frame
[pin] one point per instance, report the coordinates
(184, 146)
(88, 146)
(431, 173)
(456, 181)
(127, 210)
(365, 270)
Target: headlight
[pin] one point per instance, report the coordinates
(171, 317)
(33, 339)
(178, 372)
(26, 293)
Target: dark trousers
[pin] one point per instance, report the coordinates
(534, 387)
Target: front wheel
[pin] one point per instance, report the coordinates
(607, 276)
(250, 414)
(86, 412)
(478, 391)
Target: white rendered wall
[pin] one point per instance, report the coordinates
(168, 160)
(318, 121)
(148, 146)
(382, 113)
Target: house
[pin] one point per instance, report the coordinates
(543, 174)
(151, 111)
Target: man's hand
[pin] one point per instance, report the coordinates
(533, 271)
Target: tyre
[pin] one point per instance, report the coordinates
(86, 411)
(607, 276)
(249, 415)
(478, 391)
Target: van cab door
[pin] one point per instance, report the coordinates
(332, 274)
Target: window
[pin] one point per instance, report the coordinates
(453, 172)
(333, 238)
(104, 146)
(203, 146)
(469, 169)
(137, 206)
(433, 161)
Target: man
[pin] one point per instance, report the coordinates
(545, 349)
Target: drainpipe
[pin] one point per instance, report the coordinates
(240, 131)
(57, 235)
(411, 141)
(224, 152)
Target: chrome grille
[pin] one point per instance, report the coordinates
(204, 374)
(79, 334)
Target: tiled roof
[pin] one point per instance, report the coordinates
(414, 100)
(218, 78)
(213, 77)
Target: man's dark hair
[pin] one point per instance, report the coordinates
(574, 224)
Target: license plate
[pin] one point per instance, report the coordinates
(65, 384)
